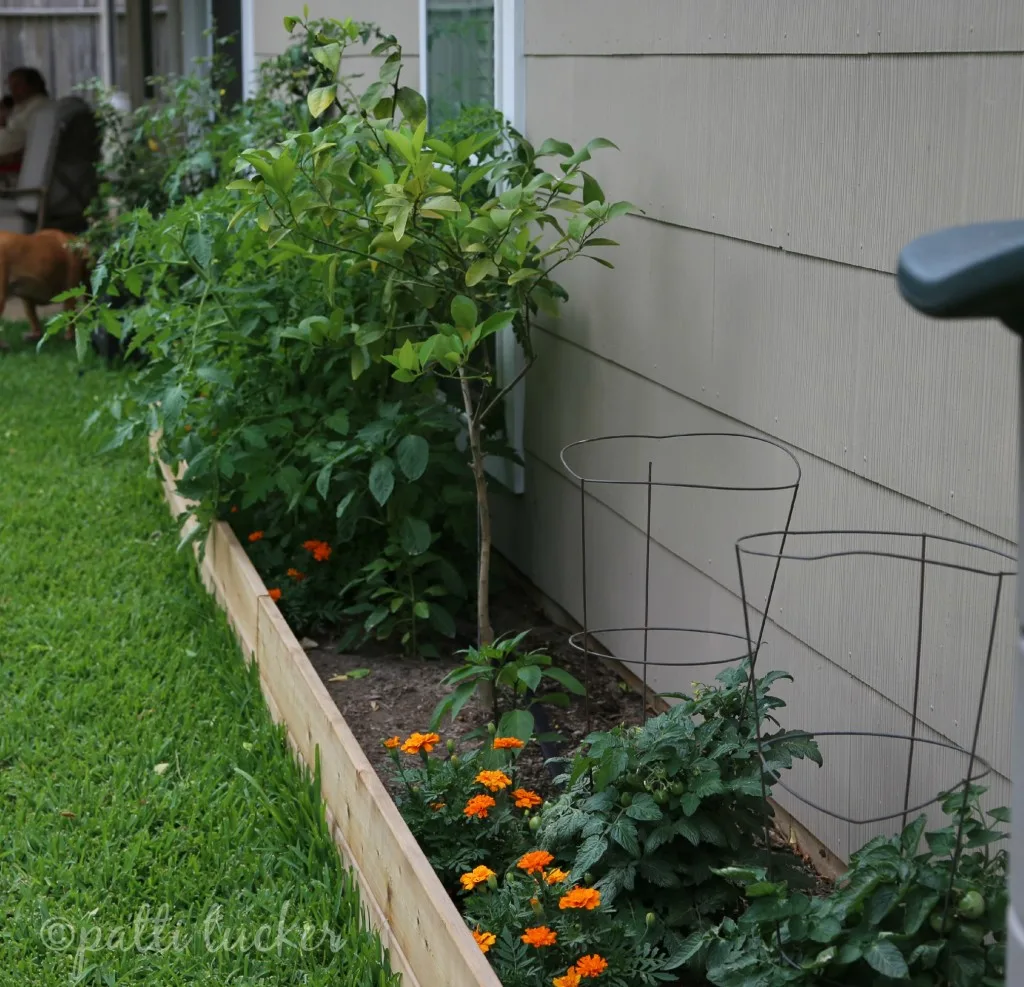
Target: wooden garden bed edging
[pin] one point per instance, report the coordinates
(428, 941)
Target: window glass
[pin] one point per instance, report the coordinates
(460, 56)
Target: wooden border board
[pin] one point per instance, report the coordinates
(428, 941)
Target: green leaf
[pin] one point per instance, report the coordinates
(881, 904)
(919, 904)
(382, 480)
(495, 323)
(517, 723)
(530, 676)
(320, 100)
(644, 808)
(566, 680)
(613, 763)
(412, 105)
(323, 480)
(329, 56)
(440, 204)
(414, 535)
(344, 505)
(483, 268)
(338, 422)
(422, 609)
(592, 192)
(413, 454)
(885, 958)
(464, 312)
(623, 832)
(591, 850)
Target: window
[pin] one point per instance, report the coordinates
(471, 55)
(459, 56)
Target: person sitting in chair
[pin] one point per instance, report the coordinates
(28, 92)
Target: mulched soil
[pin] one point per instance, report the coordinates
(399, 694)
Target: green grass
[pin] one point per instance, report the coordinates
(139, 769)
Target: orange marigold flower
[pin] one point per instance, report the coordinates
(587, 898)
(484, 940)
(274, 594)
(525, 799)
(234, 508)
(478, 875)
(478, 806)
(556, 876)
(391, 743)
(508, 743)
(535, 861)
(437, 806)
(296, 575)
(417, 742)
(591, 966)
(539, 936)
(320, 549)
(569, 979)
(494, 781)
(255, 536)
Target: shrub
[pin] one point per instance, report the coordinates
(248, 379)
(651, 812)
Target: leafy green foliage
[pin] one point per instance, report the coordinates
(249, 379)
(651, 812)
(515, 679)
(271, 313)
(897, 916)
(463, 238)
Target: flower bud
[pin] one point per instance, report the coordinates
(651, 919)
(454, 760)
(535, 824)
(451, 746)
(536, 906)
(491, 728)
(588, 878)
(492, 883)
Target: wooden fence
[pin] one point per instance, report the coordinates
(63, 39)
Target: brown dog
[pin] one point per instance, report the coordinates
(36, 267)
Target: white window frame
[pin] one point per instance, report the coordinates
(510, 99)
(250, 79)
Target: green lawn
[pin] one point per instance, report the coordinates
(150, 814)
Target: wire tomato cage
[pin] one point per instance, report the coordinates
(957, 592)
(636, 474)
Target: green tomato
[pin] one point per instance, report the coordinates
(677, 788)
(661, 796)
(626, 799)
(935, 921)
(971, 905)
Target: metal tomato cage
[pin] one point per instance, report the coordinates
(634, 474)
(977, 272)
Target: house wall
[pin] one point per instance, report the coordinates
(397, 17)
(782, 153)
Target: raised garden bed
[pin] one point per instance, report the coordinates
(405, 901)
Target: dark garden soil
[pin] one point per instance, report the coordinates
(399, 695)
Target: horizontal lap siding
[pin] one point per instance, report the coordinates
(771, 27)
(756, 295)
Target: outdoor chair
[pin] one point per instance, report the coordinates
(58, 176)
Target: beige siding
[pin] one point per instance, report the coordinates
(756, 296)
(756, 27)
